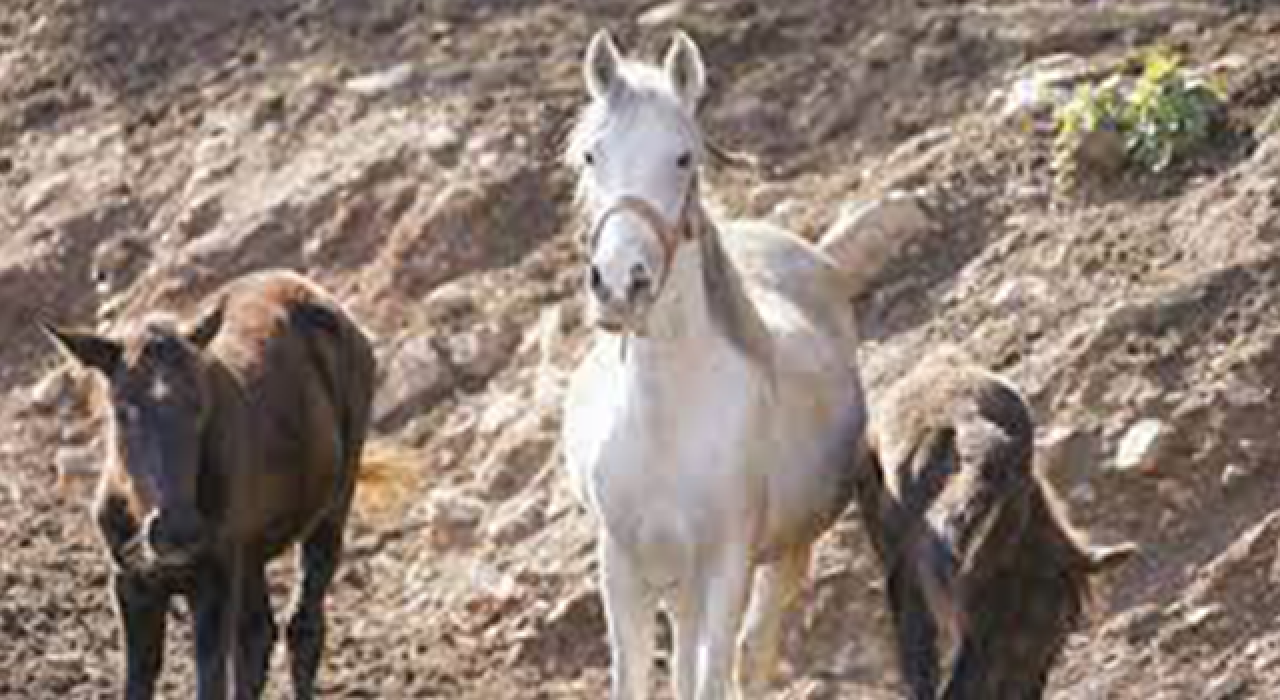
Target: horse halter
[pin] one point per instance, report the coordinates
(669, 236)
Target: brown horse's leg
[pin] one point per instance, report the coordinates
(142, 612)
(915, 633)
(256, 634)
(213, 610)
(321, 553)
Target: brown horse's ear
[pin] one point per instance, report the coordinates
(1106, 558)
(88, 349)
(206, 329)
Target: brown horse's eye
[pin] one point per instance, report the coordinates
(685, 160)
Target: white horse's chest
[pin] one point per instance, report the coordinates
(662, 462)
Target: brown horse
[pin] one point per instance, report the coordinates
(973, 540)
(230, 440)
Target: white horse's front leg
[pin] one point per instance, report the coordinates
(686, 627)
(629, 611)
(724, 607)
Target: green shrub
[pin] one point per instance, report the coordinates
(1164, 114)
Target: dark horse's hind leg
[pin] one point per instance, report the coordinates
(915, 632)
(142, 615)
(321, 554)
(256, 634)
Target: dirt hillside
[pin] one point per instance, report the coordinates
(406, 154)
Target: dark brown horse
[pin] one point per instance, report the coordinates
(230, 440)
(973, 540)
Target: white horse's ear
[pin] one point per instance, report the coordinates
(603, 61)
(685, 69)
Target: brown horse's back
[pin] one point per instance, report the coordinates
(972, 537)
(297, 377)
(956, 442)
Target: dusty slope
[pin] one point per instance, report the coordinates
(151, 150)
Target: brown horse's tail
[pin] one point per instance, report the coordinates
(387, 480)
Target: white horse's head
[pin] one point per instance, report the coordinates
(637, 146)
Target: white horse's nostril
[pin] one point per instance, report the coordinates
(596, 282)
(641, 282)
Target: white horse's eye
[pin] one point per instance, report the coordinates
(589, 158)
(685, 160)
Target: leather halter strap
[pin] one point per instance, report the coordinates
(668, 235)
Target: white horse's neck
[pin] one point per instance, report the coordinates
(680, 340)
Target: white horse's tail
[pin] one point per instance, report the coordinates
(866, 235)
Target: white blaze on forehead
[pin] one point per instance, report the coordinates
(160, 389)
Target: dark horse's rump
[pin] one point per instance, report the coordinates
(230, 439)
(971, 537)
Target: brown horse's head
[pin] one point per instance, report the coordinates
(159, 400)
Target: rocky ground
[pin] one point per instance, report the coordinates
(406, 154)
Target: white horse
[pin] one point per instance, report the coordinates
(717, 423)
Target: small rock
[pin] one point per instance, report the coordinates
(1141, 445)
(520, 454)
(482, 351)
(784, 210)
(441, 29)
(1243, 394)
(526, 520)
(1230, 685)
(272, 109)
(560, 632)
(453, 517)
(443, 143)
(884, 49)
(417, 375)
(371, 84)
(1184, 29)
(1202, 614)
(1233, 475)
(1083, 493)
(449, 302)
(662, 13)
(1019, 292)
(117, 262)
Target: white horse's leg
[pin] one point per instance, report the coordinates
(629, 611)
(724, 606)
(686, 626)
(776, 587)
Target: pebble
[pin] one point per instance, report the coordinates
(1141, 445)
